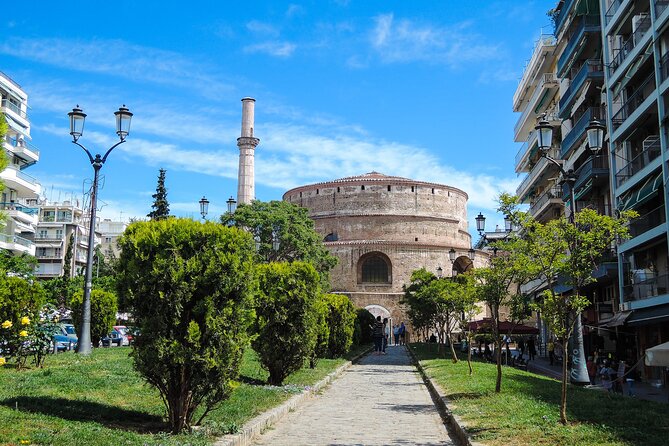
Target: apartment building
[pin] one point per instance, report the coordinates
(110, 231)
(57, 223)
(636, 56)
(19, 197)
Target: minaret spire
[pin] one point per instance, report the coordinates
(247, 144)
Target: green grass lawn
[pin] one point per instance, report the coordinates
(526, 412)
(101, 400)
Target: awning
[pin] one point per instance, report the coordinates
(647, 316)
(658, 356)
(645, 192)
(617, 320)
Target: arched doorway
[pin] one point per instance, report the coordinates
(378, 310)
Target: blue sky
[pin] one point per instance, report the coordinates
(410, 88)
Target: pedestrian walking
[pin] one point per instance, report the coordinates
(521, 347)
(396, 334)
(403, 333)
(377, 335)
(531, 348)
(591, 366)
(386, 334)
(551, 351)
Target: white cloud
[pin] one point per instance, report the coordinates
(294, 10)
(400, 41)
(263, 28)
(118, 58)
(276, 49)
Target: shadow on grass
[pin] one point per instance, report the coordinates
(252, 381)
(79, 410)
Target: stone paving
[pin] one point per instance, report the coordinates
(381, 400)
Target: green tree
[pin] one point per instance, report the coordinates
(285, 317)
(67, 262)
(103, 312)
(160, 206)
(22, 265)
(341, 323)
(466, 309)
(569, 250)
(283, 232)
(321, 329)
(420, 309)
(190, 287)
(362, 332)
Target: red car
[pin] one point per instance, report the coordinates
(124, 332)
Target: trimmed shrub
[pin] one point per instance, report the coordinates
(286, 318)
(341, 321)
(322, 330)
(364, 321)
(190, 286)
(103, 313)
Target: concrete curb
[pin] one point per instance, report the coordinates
(455, 424)
(264, 421)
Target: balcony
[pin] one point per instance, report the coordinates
(48, 256)
(651, 150)
(595, 169)
(547, 82)
(620, 54)
(633, 102)
(597, 206)
(578, 130)
(647, 221)
(534, 175)
(592, 69)
(524, 149)
(23, 149)
(25, 184)
(645, 284)
(544, 46)
(613, 8)
(14, 108)
(17, 244)
(553, 195)
(586, 24)
(564, 13)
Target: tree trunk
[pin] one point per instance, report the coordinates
(498, 351)
(469, 354)
(565, 376)
(450, 341)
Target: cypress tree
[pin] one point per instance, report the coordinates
(160, 206)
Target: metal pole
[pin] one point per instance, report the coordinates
(579, 371)
(84, 344)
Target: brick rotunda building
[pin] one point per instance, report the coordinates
(381, 228)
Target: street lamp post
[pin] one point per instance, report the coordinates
(204, 207)
(231, 202)
(595, 136)
(77, 119)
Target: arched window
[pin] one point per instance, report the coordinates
(374, 268)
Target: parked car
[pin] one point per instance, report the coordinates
(114, 338)
(65, 336)
(125, 331)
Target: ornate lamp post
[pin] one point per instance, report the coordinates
(77, 120)
(595, 135)
(204, 207)
(231, 204)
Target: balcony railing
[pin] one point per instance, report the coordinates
(647, 221)
(660, 6)
(534, 173)
(16, 239)
(634, 101)
(620, 54)
(594, 166)
(40, 237)
(598, 206)
(664, 66)
(18, 207)
(545, 80)
(564, 12)
(544, 40)
(645, 284)
(613, 8)
(578, 129)
(48, 256)
(6, 103)
(552, 193)
(585, 23)
(531, 139)
(649, 153)
(15, 142)
(591, 67)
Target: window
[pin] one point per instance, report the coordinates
(59, 233)
(362, 187)
(388, 188)
(42, 233)
(41, 252)
(108, 240)
(375, 268)
(57, 252)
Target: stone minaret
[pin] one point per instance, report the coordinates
(246, 191)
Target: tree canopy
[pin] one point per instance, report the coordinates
(160, 206)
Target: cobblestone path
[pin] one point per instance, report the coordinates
(379, 401)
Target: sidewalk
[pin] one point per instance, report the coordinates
(379, 401)
(640, 390)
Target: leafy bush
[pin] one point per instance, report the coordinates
(190, 287)
(364, 321)
(341, 322)
(286, 318)
(322, 330)
(103, 313)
